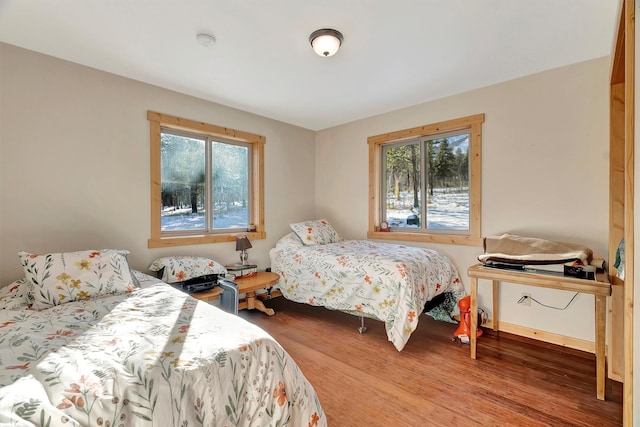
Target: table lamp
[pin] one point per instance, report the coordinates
(242, 244)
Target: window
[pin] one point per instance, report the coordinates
(206, 182)
(425, 182)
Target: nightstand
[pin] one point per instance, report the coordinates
(247, 285)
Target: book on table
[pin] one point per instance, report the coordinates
(242, 270)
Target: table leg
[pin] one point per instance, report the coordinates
(474, 316)
(496, 294)
(601, 322)
(254, 303)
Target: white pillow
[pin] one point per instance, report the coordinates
(180, 268)
(58, 278)
(318, 232)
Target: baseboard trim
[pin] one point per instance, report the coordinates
(575, 343)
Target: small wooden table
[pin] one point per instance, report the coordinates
(247, 285)
(599, 288)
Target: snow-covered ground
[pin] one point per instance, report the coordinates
(447, 210)
(183, 219)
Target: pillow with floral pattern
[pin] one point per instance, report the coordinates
(15, 296)
(58, 278)
(180, 268)
(318, 232)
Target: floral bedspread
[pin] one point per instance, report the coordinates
(388, 282)
(154, 357)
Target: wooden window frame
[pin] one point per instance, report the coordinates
(474, 237)
(256, 215)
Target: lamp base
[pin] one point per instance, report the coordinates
(244, 257)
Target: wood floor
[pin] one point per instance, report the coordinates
(362, 380)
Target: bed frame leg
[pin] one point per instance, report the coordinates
(362, 329)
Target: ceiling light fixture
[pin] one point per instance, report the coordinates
(326, 42)
(206, 40)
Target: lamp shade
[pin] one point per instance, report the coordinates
(326, 42)
(242, 243)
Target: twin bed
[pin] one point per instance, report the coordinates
(387, 282)
(136, 352)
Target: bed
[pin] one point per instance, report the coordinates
(108, 346)
(389, 282)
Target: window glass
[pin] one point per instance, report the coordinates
(446, 183)
(230, 174)
(402, 181)
(183, 182)
(447, 192)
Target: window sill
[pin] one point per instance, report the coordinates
(426, 238)
(165, 242)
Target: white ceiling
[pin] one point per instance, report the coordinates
(395, 53)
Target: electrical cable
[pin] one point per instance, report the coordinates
(522, 299)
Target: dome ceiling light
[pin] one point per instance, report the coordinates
(326, 42)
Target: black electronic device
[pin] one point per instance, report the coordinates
(580, 271)
(503, 265)
(198, 284)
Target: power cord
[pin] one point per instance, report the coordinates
(524, 298)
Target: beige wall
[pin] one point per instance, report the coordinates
(74, 162)
(545, 174)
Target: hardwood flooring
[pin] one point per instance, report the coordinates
(362, 380)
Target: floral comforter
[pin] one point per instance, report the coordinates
(388, 282)
(154, 357)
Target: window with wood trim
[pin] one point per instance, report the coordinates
(206, 182)
(425, 183)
